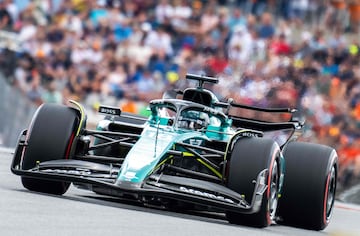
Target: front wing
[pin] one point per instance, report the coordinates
(163, 186)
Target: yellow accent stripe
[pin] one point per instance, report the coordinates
(163, 162)
(82, 115)
(210, 168)
(187, 154)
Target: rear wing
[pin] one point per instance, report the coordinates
(296, 121)
(272, 110)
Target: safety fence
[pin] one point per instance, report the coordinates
(15, 113)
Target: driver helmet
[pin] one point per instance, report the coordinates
(194, 120)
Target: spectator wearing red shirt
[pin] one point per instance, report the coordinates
(217, 63)
(279, 46)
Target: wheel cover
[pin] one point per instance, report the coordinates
(274, 189)
(331, 188)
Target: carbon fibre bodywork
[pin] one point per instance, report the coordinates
(181, 153)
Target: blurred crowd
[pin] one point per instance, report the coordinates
(299, 53)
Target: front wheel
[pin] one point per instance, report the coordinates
(249, 157)
(309, 188)
(50, 137)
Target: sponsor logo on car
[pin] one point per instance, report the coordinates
(73, 172)
(110, 110)
(251, 134)
(205, 194)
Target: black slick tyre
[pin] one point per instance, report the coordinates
(50, 137)
(249, 157)
(309, 187)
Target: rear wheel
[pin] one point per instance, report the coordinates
(50, 137)
(309, 186)
(249, 157)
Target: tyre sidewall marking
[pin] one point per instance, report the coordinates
(332, 162)
(273, 158)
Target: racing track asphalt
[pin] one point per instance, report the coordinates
(81, 212)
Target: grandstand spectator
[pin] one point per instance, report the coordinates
(163, 11)
(298, 9)
(34, 93)
(236, 19)
(241, 45)
(330, 68)
(6, 21)
(336, 15)
(159, 40)
(51, 94)
(12, 9)
(209, 20)
(279, 46)
(266, 28)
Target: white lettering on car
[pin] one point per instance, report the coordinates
(74, 172)
(107, 111)
(205, 194)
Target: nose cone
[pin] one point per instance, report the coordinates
(145, 155)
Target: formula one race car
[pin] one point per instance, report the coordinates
(192, 152)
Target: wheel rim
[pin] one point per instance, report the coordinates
(331, 192)
(274, 188)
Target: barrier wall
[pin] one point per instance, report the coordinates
(15, 113)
